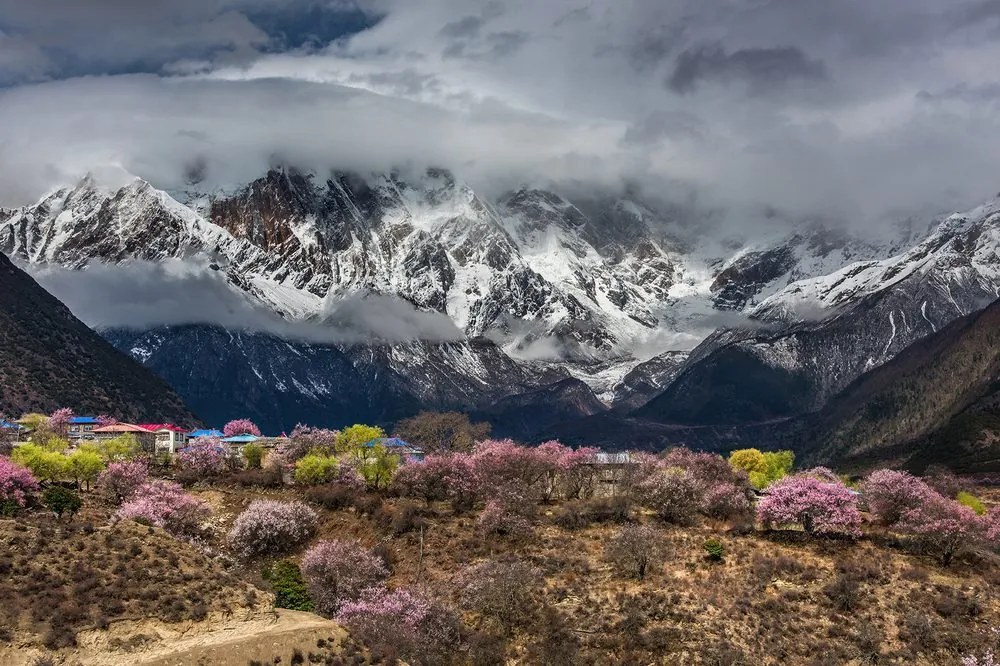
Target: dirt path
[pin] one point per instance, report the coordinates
(236, 645)
(222, 641)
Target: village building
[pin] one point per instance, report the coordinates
(12, 432)
(168, 437)
(146, 437)
(81, 427)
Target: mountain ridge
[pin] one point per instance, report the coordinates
(50, 359)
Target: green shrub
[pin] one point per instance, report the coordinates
(83, 466)
(61, 500)
(47, 466)
(290, 589)
(762, 468)
(971, 501)
(315, 468)
(254, 455)
(715, 550)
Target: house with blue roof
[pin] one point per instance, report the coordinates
(82, 426)
(241, 439)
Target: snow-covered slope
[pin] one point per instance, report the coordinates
(606, 290)
(812, 338)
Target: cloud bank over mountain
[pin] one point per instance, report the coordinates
(142, 295)
(853, 110)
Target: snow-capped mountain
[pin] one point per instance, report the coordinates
(564, 288)
(812, 338)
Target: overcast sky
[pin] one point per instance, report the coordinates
(852, 109)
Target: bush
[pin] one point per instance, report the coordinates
(674, 494)
(714, 550)
(16, 482)
(405, 517)
(121, 479)
(942, 527)
(331, 496)
(582, 513)
(61, 500)
(338, 571)
(268, 527)
(843, 592)
(819, 507)
(943, 480)
(46, 466)
(122, 448)
(889, 494)
(505, 517)
(727, 501)
(500, 591)
(166, 505)
(260, 478)
(991, 524)
(304, 440)
(204, 457)
(409, 624)
(315, 468)
(290, 590)
(634, 549)
(968, 499)
(763, 469)
(253, 454)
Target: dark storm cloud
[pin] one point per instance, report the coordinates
(853, 109)
(762, 69)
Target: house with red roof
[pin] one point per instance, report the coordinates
(169, 438)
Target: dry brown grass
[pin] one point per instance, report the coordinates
(778, 598)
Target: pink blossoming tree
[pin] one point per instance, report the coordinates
(338, 571)
(439, 477)
(268, 527)
(240, 427)
(165, 504)
(15, 484)
(204, 457)
(58, 421)
(674, 493)
(417, 628)
(889, 494)
(120, 480)
(307, 439)
(106, 420)
(942, 526)
(819, 507)
(992, 524)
